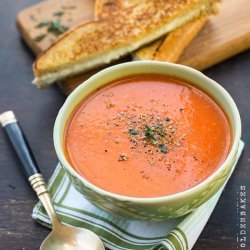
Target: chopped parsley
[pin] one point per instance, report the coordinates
(133, 132)
(159, 129)
(56, 28)
(12, 186)
(40, 37)
(42, 24)
(163, 148)
(58, 13)
(149, 133)
(156, 135)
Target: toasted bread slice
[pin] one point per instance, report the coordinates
(148, 51)
(177, 41)
(106, 8)
(96, 43)
(171, 47)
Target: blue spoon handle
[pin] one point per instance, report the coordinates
(20, 144)
(28, 163)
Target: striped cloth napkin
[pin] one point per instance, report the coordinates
(120, 233)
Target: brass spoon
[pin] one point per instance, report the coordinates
(62, 237)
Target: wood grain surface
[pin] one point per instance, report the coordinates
(36, 111)
(223, 36)
(73, 12)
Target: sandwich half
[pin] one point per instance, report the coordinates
(170, 48)
(99, 42)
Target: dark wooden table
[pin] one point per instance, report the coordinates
(36, 111)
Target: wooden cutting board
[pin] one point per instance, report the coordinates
(223, 36)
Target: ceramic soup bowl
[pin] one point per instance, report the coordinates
(149, 208)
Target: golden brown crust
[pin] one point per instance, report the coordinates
(166, 51)
(92, 39)
(148, 51)
(171, 47)
(175, 43)
(58, 43)
(105, 8)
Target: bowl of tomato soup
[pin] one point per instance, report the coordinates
(148, 140)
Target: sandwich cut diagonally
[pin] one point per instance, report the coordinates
(99, 42)
(167, 48)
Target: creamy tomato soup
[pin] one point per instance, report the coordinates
(147, 136)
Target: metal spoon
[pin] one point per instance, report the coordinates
(62, 237)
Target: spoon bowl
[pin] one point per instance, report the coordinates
(71, 238)
(63, 237)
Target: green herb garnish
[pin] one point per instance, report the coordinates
(42, 24)
(40, 37)
(12, 186)
(56, 28)
(160, 132)
(159, 129)
(156, 133)
(58, 13)
(163, 148)
(149, 133)
(133, 132)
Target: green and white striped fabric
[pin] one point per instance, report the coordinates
(119, 233)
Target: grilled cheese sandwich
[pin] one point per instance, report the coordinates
(99, 42)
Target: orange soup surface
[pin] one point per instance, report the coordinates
(147, 136)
